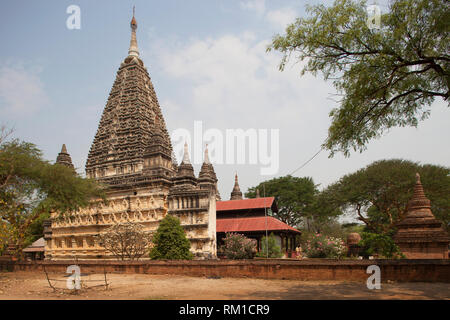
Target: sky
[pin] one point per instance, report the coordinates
(208, 62)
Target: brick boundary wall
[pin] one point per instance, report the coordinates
(429, 270)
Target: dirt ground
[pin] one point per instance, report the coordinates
(34, 285)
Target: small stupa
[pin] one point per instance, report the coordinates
(64, 157)
(420, 235)
(236, 194)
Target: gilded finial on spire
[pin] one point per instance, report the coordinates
(133, 51)
(418, 178)
(133, 23)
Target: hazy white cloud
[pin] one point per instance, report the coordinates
(233, 73)
(281, 17)
(277, 18)
(231, 82)
(259, 6)
(21, 90)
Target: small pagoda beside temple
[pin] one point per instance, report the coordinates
(420, 235)
(64, 158)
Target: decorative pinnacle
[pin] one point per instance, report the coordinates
(419, 199)
(186, 154)
(236, 183)
(64, 149)
(133, 51)
(236, 194)
(206, 155)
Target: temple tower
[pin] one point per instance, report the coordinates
(132, 156)
(236, 194)
(207, 177)
(64, 158)
(420, 235)
(193, 201)
(131, 140)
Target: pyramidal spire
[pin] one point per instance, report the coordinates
(186, 154)
(207, 174)
(133, 51)
(236, 183)
(236, 194)
(419, 200)
(64, 158)
(206, 159)
(131, 129)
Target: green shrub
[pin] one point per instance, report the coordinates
(380, 244)
(274, 250)
(237, 246)
(321, 246)
(170, 241)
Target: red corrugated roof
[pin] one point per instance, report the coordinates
(251, 224)
(256, 203)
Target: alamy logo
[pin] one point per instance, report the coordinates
(373, 17)
(374, 281)
(74, 20)
(74, 280)
(231, 146)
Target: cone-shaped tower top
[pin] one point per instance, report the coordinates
(64, 158)
(236, 194)
(133, 51)
(207, 174)
(419, 200)
(185, 172)
(419, 234)
(132, 135)
(186, 154)
(206, 160)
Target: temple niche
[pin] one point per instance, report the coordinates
(420, 235)
(132, 156)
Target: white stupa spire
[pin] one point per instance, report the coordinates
(206, 160)
(186, 154)
(133, 51)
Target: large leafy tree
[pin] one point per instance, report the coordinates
(378, 194)
(31, 188)
(296, 199)
(385, 77)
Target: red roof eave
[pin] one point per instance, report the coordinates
(252, 224)
(245, 204)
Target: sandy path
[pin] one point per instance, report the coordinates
(33, 285)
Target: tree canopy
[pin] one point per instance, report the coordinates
(378, 194)
(31, 187)
(170, 242)
(384, 77)
(296, 199)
